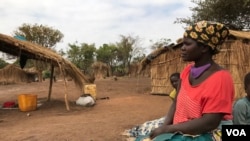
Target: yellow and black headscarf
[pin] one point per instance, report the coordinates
(212, 34)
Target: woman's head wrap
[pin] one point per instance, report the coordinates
(212, 34)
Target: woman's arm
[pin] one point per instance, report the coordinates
(170, 115)
(205, 124)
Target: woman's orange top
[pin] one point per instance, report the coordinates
(213, 95)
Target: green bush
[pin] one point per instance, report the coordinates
(2, 63)
(46, 74)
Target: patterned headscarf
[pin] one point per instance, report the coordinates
(212, 34)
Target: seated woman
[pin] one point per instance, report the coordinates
(205, 93)
(148, 126)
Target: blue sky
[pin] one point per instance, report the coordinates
(99, 21)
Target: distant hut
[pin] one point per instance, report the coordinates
(234, 56)
(12, 74)
(100, 70)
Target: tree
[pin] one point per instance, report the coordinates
(107, 53)
(38, 34)
(128, 48)
(75, 55)
(234, 13)
(62, 52)
(89, 56)
(82, 55)
(161, 43)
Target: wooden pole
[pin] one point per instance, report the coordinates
(51, 82)
(66, 94)
(65, 87)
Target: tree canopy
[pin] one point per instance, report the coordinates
(234, 13)
(82, 55)
(107, 54)
(40, 34)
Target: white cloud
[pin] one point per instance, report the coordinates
(98, 21)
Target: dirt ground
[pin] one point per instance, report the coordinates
(130, 103)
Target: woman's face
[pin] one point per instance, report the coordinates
(190, 51)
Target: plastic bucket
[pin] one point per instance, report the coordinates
(27, 102)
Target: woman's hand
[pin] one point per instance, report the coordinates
(157, 132)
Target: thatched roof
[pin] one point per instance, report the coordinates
(159, 51)
(240, 34)
(17, 47)
(153, 55)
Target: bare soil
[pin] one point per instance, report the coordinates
(130, 103)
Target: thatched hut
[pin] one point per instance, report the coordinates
(28, 50)
(100, 70)
(234, 56)
(135, 67)
(12, 74)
